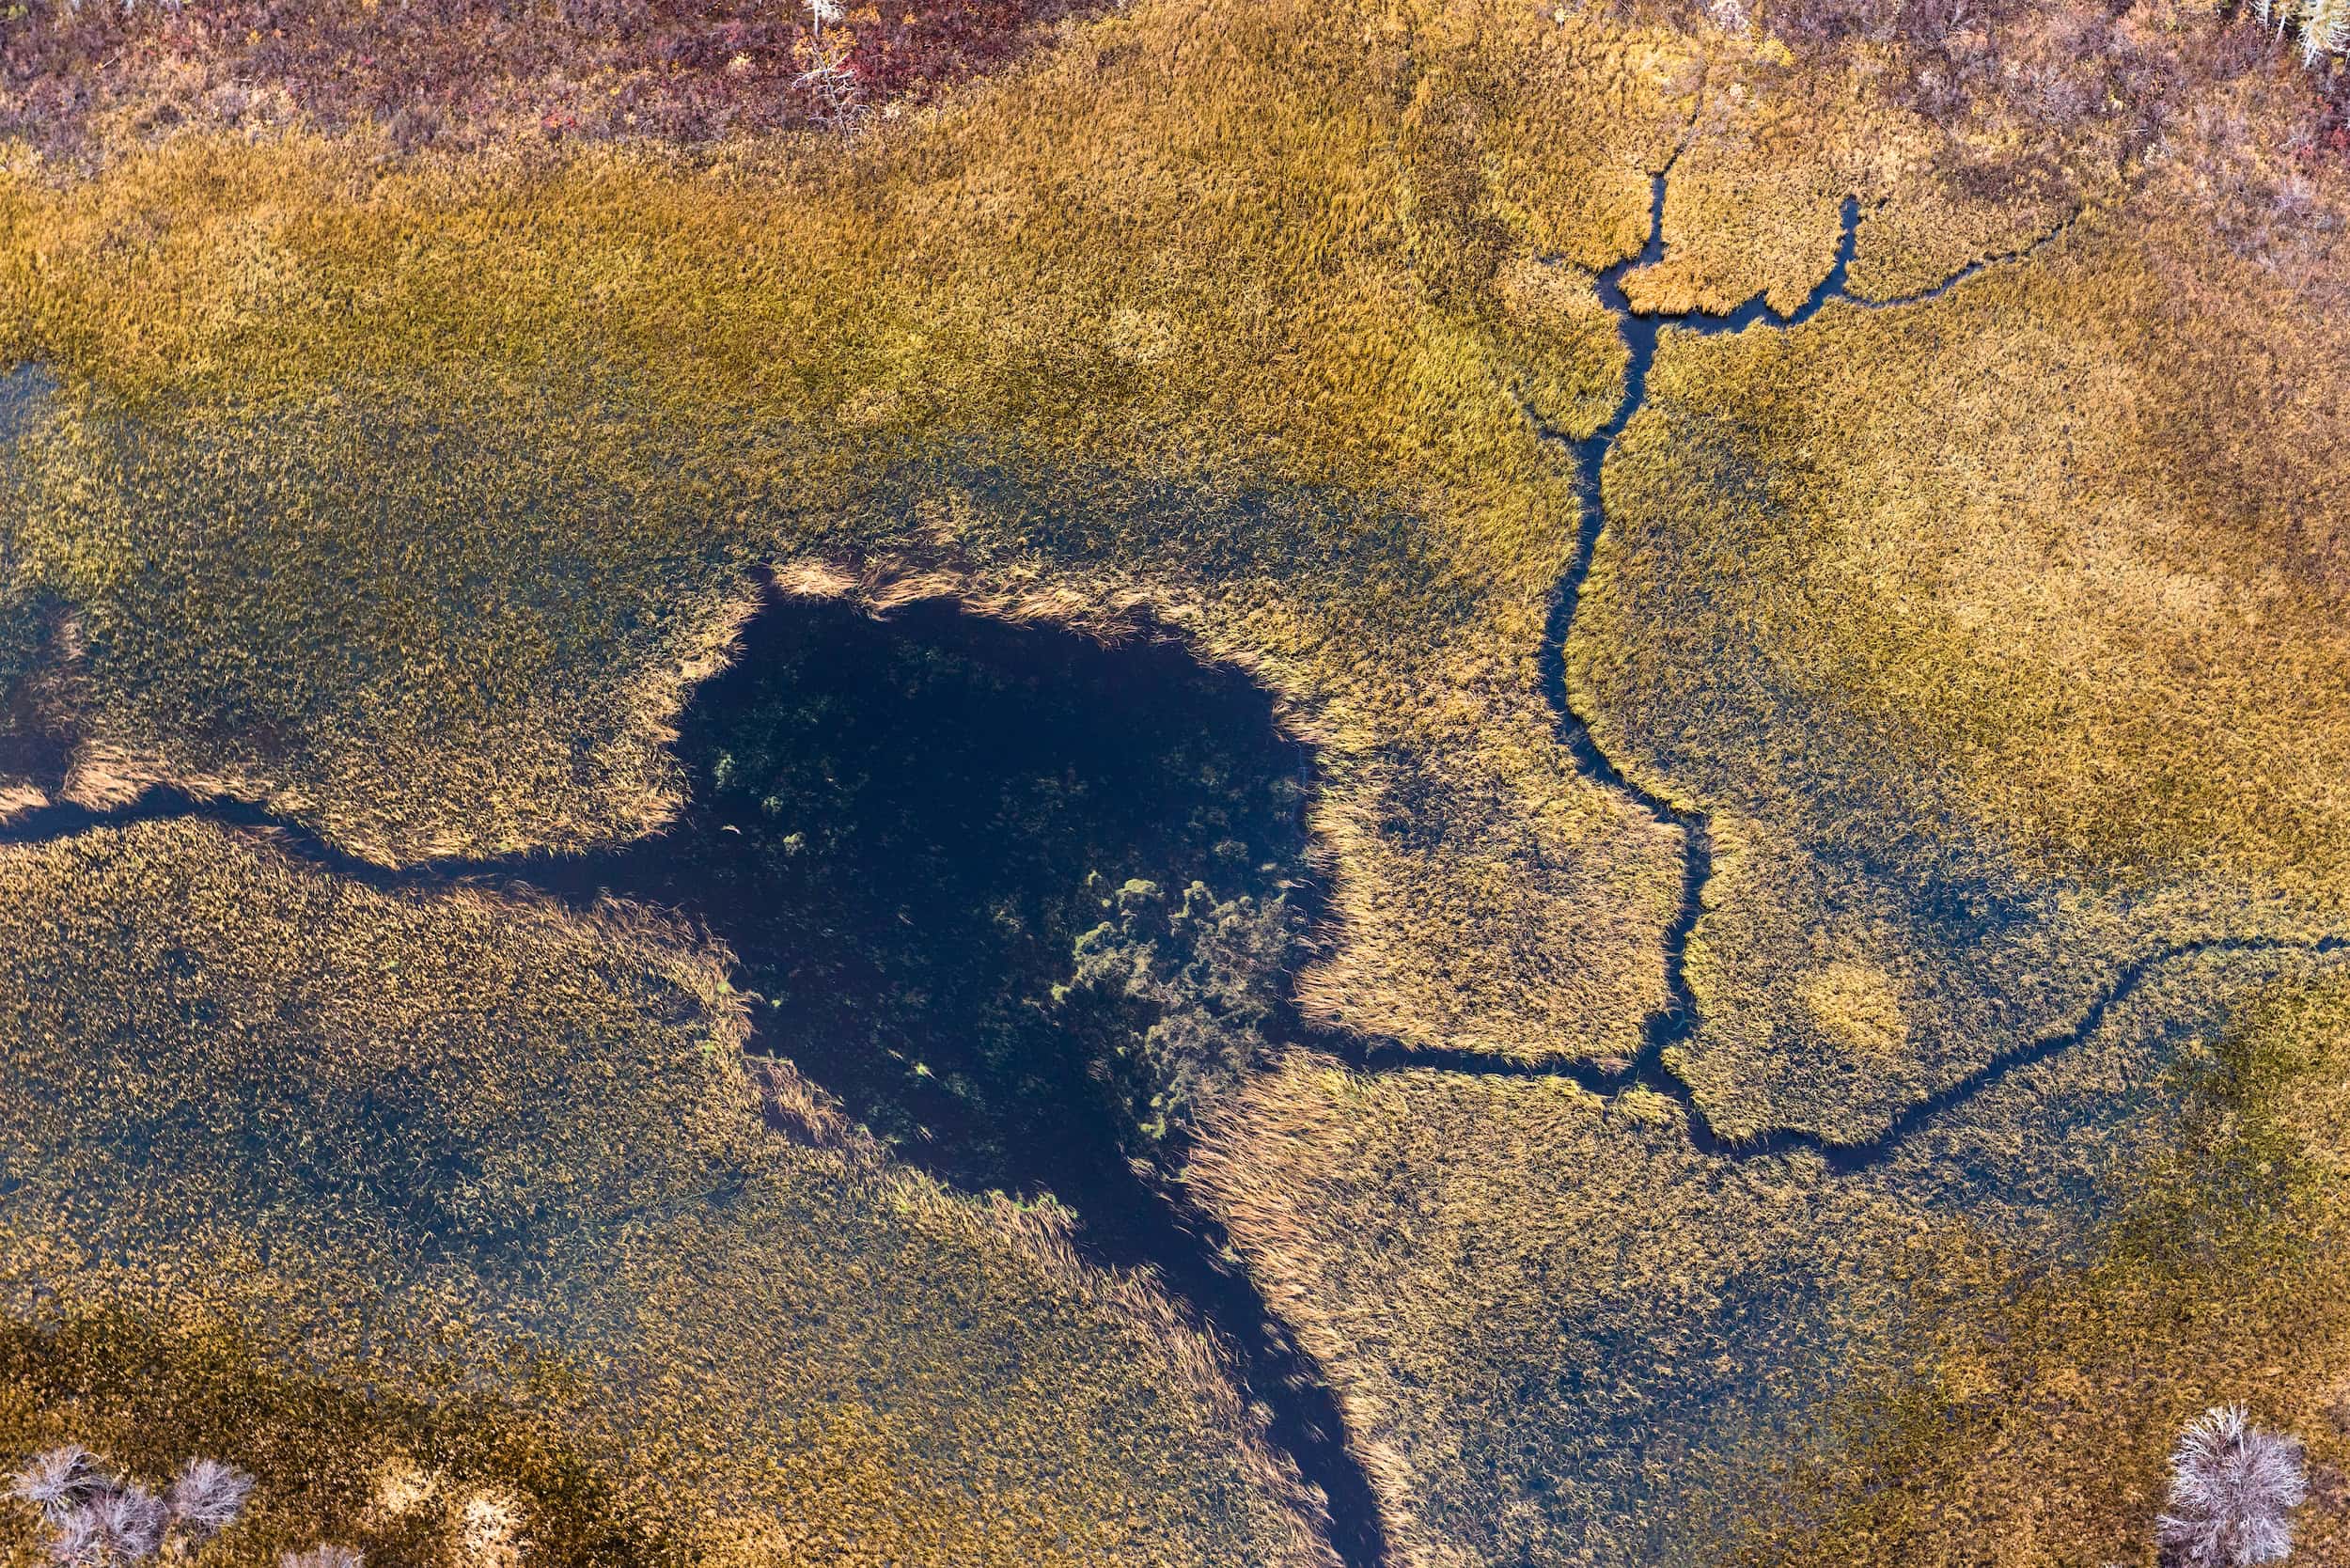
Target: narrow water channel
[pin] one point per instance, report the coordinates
(1013, 896)
(1016, 898)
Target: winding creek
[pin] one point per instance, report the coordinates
(902, 829)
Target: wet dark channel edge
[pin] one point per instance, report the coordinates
(902, 897)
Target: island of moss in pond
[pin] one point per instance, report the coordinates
(1016, 897)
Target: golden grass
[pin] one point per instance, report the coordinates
(409, 494)
(1751, 208)
(501, 1167)
(401, 493)
(2029, 1414)
(1754, 203)
(2003, 638)
(1560, 1334)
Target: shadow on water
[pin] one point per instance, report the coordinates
(903, 828)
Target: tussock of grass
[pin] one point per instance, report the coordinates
(457, 1151)
(2002, 636)
(1563, 1335)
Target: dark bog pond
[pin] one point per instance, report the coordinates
(1017, 898)
(1014, 896)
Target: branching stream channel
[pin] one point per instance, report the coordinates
(1014, 896)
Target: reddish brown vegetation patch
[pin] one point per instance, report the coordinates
(2039, 77)
(468, 71)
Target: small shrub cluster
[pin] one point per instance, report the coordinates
(435, 1117)
(468, 72)
(2234, 1489)
(1183, 986)
(2324, 24)
(2050, 70)
(97, 1516)
(2038, 100)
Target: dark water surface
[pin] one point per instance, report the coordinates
(911, 833)
(904, 828)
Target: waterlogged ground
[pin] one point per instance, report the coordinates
(943, 856)
(1017, 901)
(1797, 554)
(421, 1190)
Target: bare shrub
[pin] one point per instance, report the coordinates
(2325, 24)
(205, 1499)
(96, 1517)
(57, 1481)
(2234, 1489)
(129, 1523)
(324, 1557)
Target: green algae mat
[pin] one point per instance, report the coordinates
(1426, 786)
